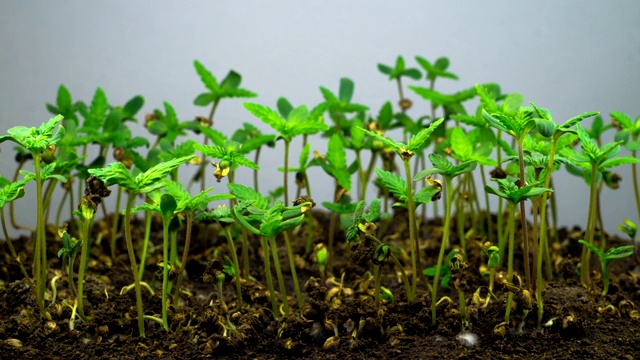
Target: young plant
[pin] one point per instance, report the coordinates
(406, 152)
(274, 220)
(629, 227)
(628, 133)
(396, 73)
(228, 88)
(37, 141)
(595, 159)
(508, 190)
(143, 183)
(444, 167)
(607, 257)
(9, 193)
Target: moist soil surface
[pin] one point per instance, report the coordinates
(578, 322)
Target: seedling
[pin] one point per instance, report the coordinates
(595, 159)
(606, 257)
(629, 227)
(145, 182)
(36, 141)
(508, 190)
(444, 167)
(445, 272)
(628, 132)
(406, 152)
(396, 73)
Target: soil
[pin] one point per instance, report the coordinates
(578, 322)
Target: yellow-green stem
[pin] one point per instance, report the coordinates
(236, 265)
(85, 228)
(166, 220)
(283, 287)
(415, 262)
(443, 246)
(292, 265)
(267, 273)
(585, 276)
(185, 255)
(134, 264)
(511, 229)
(114, 224)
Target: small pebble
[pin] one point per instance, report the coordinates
(467, 339)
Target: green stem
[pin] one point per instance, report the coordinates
(185, 255)
(511, 229)
(585, 277)
(15, 257)
(523, 221)
(61, 205)
(166, 220)
(634, 176)
(134, 264)
(85, 228)
(47, 198)
(415, 261)
(283, 287)
(292, 265)
(267, 272)
(460, 215)
(145, 245)
(488, 207)
(40, 243)
(255, 171)
(203, 164)
(443, 246)
(114, 224)
(605, 276)
(463, 308)
(236, 265)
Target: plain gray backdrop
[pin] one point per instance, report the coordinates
(567, 56)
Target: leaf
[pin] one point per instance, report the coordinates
(203, 99)
(244, 193)
(99, 105)
(346, 90)
(545, 127)
(460, 144)
(623, 160)
(168, 205)
(386, 141)
(115, 173)
(231, 81)
(623, 119)
(132, 106)
(396, 185)
(268, 116)
(207, 78)
(337, 158)
(577, 119)
(357, 135)
(151, 179)
(385, 69)
(284, 107)
(417, 140)
(385, 115)
(497, 121)
(426, 194)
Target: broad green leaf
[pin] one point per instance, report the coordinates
(460, 144)
(231, 81)
(357, 135)
(346, 90)
(203, 99)
(168, 205)
(284, 107)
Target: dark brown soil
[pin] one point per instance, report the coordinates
(578, 323)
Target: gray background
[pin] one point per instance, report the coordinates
(568, 56)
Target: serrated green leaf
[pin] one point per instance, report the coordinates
(337, 159)
(396, 185)
(416, 142)
(207, 78)
(623, 160)
(461, 144)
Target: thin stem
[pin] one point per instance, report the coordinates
(47, 198)
(488, 206)
(203, 164)
(267, 272)
(286, 173)
(523, 222)
(134, 264)
(114, 224)
(145, 245)
(511, 229)
(634, 177)
(415, 261)
(85, 227)
(185, 256)
(12, 217)
(15, 257)
(292, 265)
(255, 171)
(585, 276)
(443, 246)
(460, 214)
(166, 220)
(61, 205)
(236, 265)
(276, 263)
(41, 246)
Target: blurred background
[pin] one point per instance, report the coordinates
(568, 56)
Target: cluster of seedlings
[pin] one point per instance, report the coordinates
(511, 149)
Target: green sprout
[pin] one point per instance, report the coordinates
(69, 250)
(606, 257)
(508, 190)
(444, 167)
(595, 160)
(628, 132)
(37, 141)
(406, 152)
(445, 272)
(143, 183)
(396, 73)
(629, 227)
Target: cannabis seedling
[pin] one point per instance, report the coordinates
(406, 152)
(37, 141)
(595, 159)
(508, 190)
(629, 227)
(628, 133)
(444, 167)
(396, 73)
(606, 257)
(143, 183)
